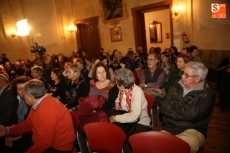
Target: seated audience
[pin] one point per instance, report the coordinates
(157, 50)
(76, 86)
(194, 53)
(153, 77)
(8, 108)
(18, 70)
(103, 59)
(126, 63)
(131, 99)
(37, 72)
(89, 63)
(116, 61)
(27, 70)
(187, 106)
(130, 54)
(49, 121)
(22, 143)
(9, 70)
(102, 95)
(83, 70)
(166, 64)
(151, 50)
(139, 58)
(173, 54)
(176, 74)
(57, 87)
(185, 51)
(2, 71)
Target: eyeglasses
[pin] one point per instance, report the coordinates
(187, 76)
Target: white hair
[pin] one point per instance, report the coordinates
(198, 69)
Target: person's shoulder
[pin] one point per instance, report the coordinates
(136, 88)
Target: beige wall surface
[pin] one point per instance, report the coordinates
(49, 20)
(161, 16)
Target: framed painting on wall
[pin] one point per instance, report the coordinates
(115, 34)
(113, 11)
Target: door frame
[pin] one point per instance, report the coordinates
(139, 22)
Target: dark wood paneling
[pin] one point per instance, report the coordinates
(88, 36)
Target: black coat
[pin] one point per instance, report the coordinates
(8, 108)
(189, 112)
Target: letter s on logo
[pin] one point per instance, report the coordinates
(215, 7)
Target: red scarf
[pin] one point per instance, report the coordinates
(128, 98)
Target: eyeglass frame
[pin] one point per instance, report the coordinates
(188, 76)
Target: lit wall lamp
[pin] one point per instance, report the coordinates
(71, 28)
(12, 33)
(23, 29)
(176, 10)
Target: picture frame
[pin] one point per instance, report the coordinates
(113, 11)
(115, 34)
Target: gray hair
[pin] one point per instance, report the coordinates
(198, 69)
(124, 77)
(38, 69)
(3, 78)
(35, 88)
(156, 56)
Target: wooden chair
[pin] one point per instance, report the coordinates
(150, 101)
(104, 137)
(157, 142)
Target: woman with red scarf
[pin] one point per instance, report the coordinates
(131, 99)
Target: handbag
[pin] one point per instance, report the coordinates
(127, 128)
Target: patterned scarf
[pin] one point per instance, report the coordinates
(128, 96)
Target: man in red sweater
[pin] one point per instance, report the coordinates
(49, 121)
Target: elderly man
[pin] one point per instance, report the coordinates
(187, 106)
(49, 121)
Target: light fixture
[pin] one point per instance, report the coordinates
(71, 28)
(23, 29)
(176, 10)
(150, 25)
(12, 33)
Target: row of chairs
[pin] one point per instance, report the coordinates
(108, 138)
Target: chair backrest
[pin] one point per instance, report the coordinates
(104, 137)
(150, 101)
(158, 142)
(75, 120)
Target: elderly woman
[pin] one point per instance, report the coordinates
(102, 95)
(131, 99)
(57, 87)
(76, 86)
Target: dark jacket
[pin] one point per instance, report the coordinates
(189, 112)
(8, 108)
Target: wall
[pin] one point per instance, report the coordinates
(49, 20)
(159, 16)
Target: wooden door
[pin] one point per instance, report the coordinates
(88, 38)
